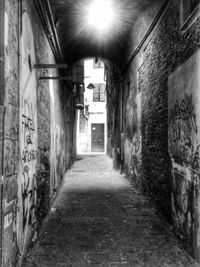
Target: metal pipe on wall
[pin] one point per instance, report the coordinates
(2, 10)
(45, 27)
(46, 17)
(51, 20)
(2, 115)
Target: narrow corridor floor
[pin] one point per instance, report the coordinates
(99, 219)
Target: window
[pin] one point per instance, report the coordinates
(99, 92)
(98, 64)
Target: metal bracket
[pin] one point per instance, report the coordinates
(50, 66)
(55, 78)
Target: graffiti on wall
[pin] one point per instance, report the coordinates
(28, 158)
(28, 151)
(184, 149)
(184, 110)
(182, 130)
(28, 132)
(27, 135)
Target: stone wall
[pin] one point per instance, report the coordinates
(11, 133)
(38, 133)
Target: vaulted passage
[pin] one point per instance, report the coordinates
(99, 219)
(135, 201)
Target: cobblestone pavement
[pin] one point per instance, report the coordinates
(99, 219)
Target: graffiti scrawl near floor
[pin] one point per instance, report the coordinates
(29, 196)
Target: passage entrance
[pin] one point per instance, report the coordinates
(97, 137)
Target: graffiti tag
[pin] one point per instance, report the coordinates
(184, 110)
(182, 128)
(29, 154)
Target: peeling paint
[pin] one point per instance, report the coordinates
(8, 219)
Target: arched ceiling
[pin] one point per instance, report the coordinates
(77, 41)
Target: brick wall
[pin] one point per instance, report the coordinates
(168, 49)
(151, 94)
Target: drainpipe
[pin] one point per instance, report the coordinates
(46, 17)
(51, 20)
(45, 27)
(2, 114)
(2, 11)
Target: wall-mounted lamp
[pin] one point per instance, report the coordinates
(90, 86)
(79, 106)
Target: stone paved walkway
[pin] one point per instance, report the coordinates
(98, 219)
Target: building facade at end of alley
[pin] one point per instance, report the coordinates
(150, 117)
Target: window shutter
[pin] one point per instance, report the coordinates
(96, 92)
(102, 92)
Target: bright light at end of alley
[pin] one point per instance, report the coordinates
(100, 15)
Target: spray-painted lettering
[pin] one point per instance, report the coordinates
(182, 129)
(184, 110)
(28, 155)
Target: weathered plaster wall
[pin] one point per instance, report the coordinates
(27, 184)
(184, 140)
(58, 162)
(132, 123)
(114, 115)
(54, 153)
(70, 127)
(38, 133)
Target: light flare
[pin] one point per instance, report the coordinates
(101, 15)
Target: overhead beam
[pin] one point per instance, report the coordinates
(50, 66)
(55, 78)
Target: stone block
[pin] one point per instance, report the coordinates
(11, 122)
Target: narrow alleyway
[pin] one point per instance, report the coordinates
(98, 219)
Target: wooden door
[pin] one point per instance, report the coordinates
(97, 137)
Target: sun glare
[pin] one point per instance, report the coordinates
(100, 15)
